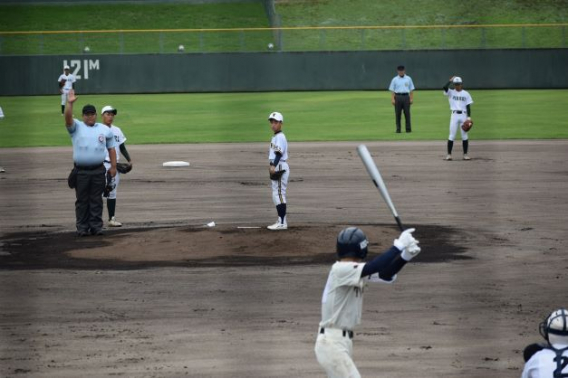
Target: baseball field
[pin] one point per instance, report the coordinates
(310, 116)
(194, 285)
(166, 296)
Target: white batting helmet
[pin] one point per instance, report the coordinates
(555, 328)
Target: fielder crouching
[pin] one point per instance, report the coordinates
(342, 300)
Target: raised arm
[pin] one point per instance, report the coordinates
(388, 264)
(447, 85)
(71, 98)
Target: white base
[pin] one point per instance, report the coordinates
(176, 164)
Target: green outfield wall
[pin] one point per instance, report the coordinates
(284, 71)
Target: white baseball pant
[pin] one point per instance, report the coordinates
(333, 352)
(64, 94)
(279, 186)
(455, 123)
(112, 195)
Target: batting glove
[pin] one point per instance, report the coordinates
(405, 239)
(411, 252)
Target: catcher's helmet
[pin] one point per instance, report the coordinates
(352, 242)
(555, 328)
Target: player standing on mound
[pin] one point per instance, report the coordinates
(279, 170)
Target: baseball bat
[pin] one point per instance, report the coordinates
(378, 180)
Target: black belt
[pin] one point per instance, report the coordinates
(346, 332)
(88, 167)
(458, 111)
(401, 94)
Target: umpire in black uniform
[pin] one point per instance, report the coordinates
(402, 89)
(90, 142)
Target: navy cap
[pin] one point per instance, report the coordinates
(89, 109)
(400, 68)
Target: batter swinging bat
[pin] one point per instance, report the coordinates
(377, 180)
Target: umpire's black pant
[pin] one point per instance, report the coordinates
(91, 182)
(402, 103)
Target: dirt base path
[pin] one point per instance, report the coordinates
(167, 296)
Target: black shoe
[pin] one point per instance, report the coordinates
(398, 131)
(96, 232)
(408, 131)
(82, 233)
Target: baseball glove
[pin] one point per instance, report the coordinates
(109, 186)
(467, 125)
(531, 349)
(123, 167)
(277, 175)
(62, 83)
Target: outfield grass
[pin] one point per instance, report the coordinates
(309, 116)
(28, 17)
(334, 13)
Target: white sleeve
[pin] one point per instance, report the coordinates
(447, 94)
(376, 279)
(531, 367)
(348, 274)
(121, 137)
(469, 99)
(526, 371)
(279, 143)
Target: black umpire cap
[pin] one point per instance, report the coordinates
(89, 109)
(400, 68)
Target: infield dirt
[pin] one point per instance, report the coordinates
(167, 296)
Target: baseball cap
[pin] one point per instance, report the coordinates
(400, 68)
(89, 109)
(457, 80)
(276, 116)
(109, 109)
(66, 67)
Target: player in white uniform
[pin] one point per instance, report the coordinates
(460, 101)
(66, 82)
(550, 360)
(278, 159)
(342, 300)
(108, 117)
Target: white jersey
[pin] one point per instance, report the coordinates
(342, 299)
(119, 138)
(543, 365)
(69, 80)
(278, 144)
(458, 100)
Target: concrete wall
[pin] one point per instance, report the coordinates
(277, 71)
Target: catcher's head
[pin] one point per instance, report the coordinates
(555, 328)
(352, 242)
